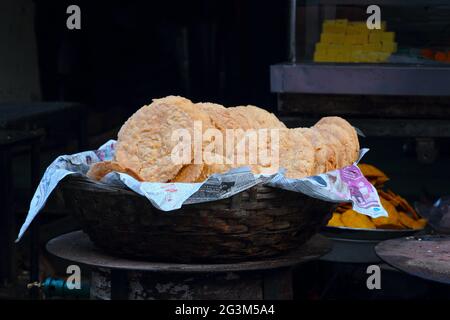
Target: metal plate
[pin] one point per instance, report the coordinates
(427, 257)
(77, 247)
(352, 251)
(366, 234)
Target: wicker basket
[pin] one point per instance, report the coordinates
(259, 222)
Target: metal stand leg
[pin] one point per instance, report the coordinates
(119, 285)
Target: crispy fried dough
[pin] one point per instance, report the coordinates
(100, 169)
(344, 124)
(296, 154)
(257, 118)
(145, 140)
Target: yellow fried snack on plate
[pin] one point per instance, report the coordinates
(100, 169)
(420, 223)
(390, 222)
(406, 220)
(353, 219)
(335, 221)
(373, 174)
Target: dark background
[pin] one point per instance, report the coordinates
(129, 51)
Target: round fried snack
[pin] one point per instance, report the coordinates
(353, 219)
(209, 169)
(344, 124)
(219, 116)
(340, 141)
(325, 155)
(256, 117)
(100, 169)
(296, 154)
(145, 141)
(189, 173)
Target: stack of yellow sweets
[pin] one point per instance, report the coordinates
(345, 41)
(401, 214)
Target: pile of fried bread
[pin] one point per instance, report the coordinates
(145, 143)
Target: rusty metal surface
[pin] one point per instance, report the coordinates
(425, 256)
(77, 247)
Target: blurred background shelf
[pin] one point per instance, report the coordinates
(371, 79)
(378, 3)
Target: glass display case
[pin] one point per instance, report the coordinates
(331, 50)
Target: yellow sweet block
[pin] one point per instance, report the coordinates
(361, 25)
(383, 56)
(344, 41)
(349, 47)
(357, 47)
(343, 57)
(357, 29)
(357, 56)
(323, 47)
(389, 47)
(320, 57)
(333, 28)
(351, 30)
(341, 22)
(335, 38)
(336, 49)
(374, 37)
(356, 39)
(375, 46)
(373, 56)
(387, 36)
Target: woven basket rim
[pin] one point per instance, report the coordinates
(83, 182)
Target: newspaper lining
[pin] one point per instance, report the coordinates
(343, 185)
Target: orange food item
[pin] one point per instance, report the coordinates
(335, 221)
(353, 219)
(427, 53)
(401, 214)
(440, 56)
(407, 221)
